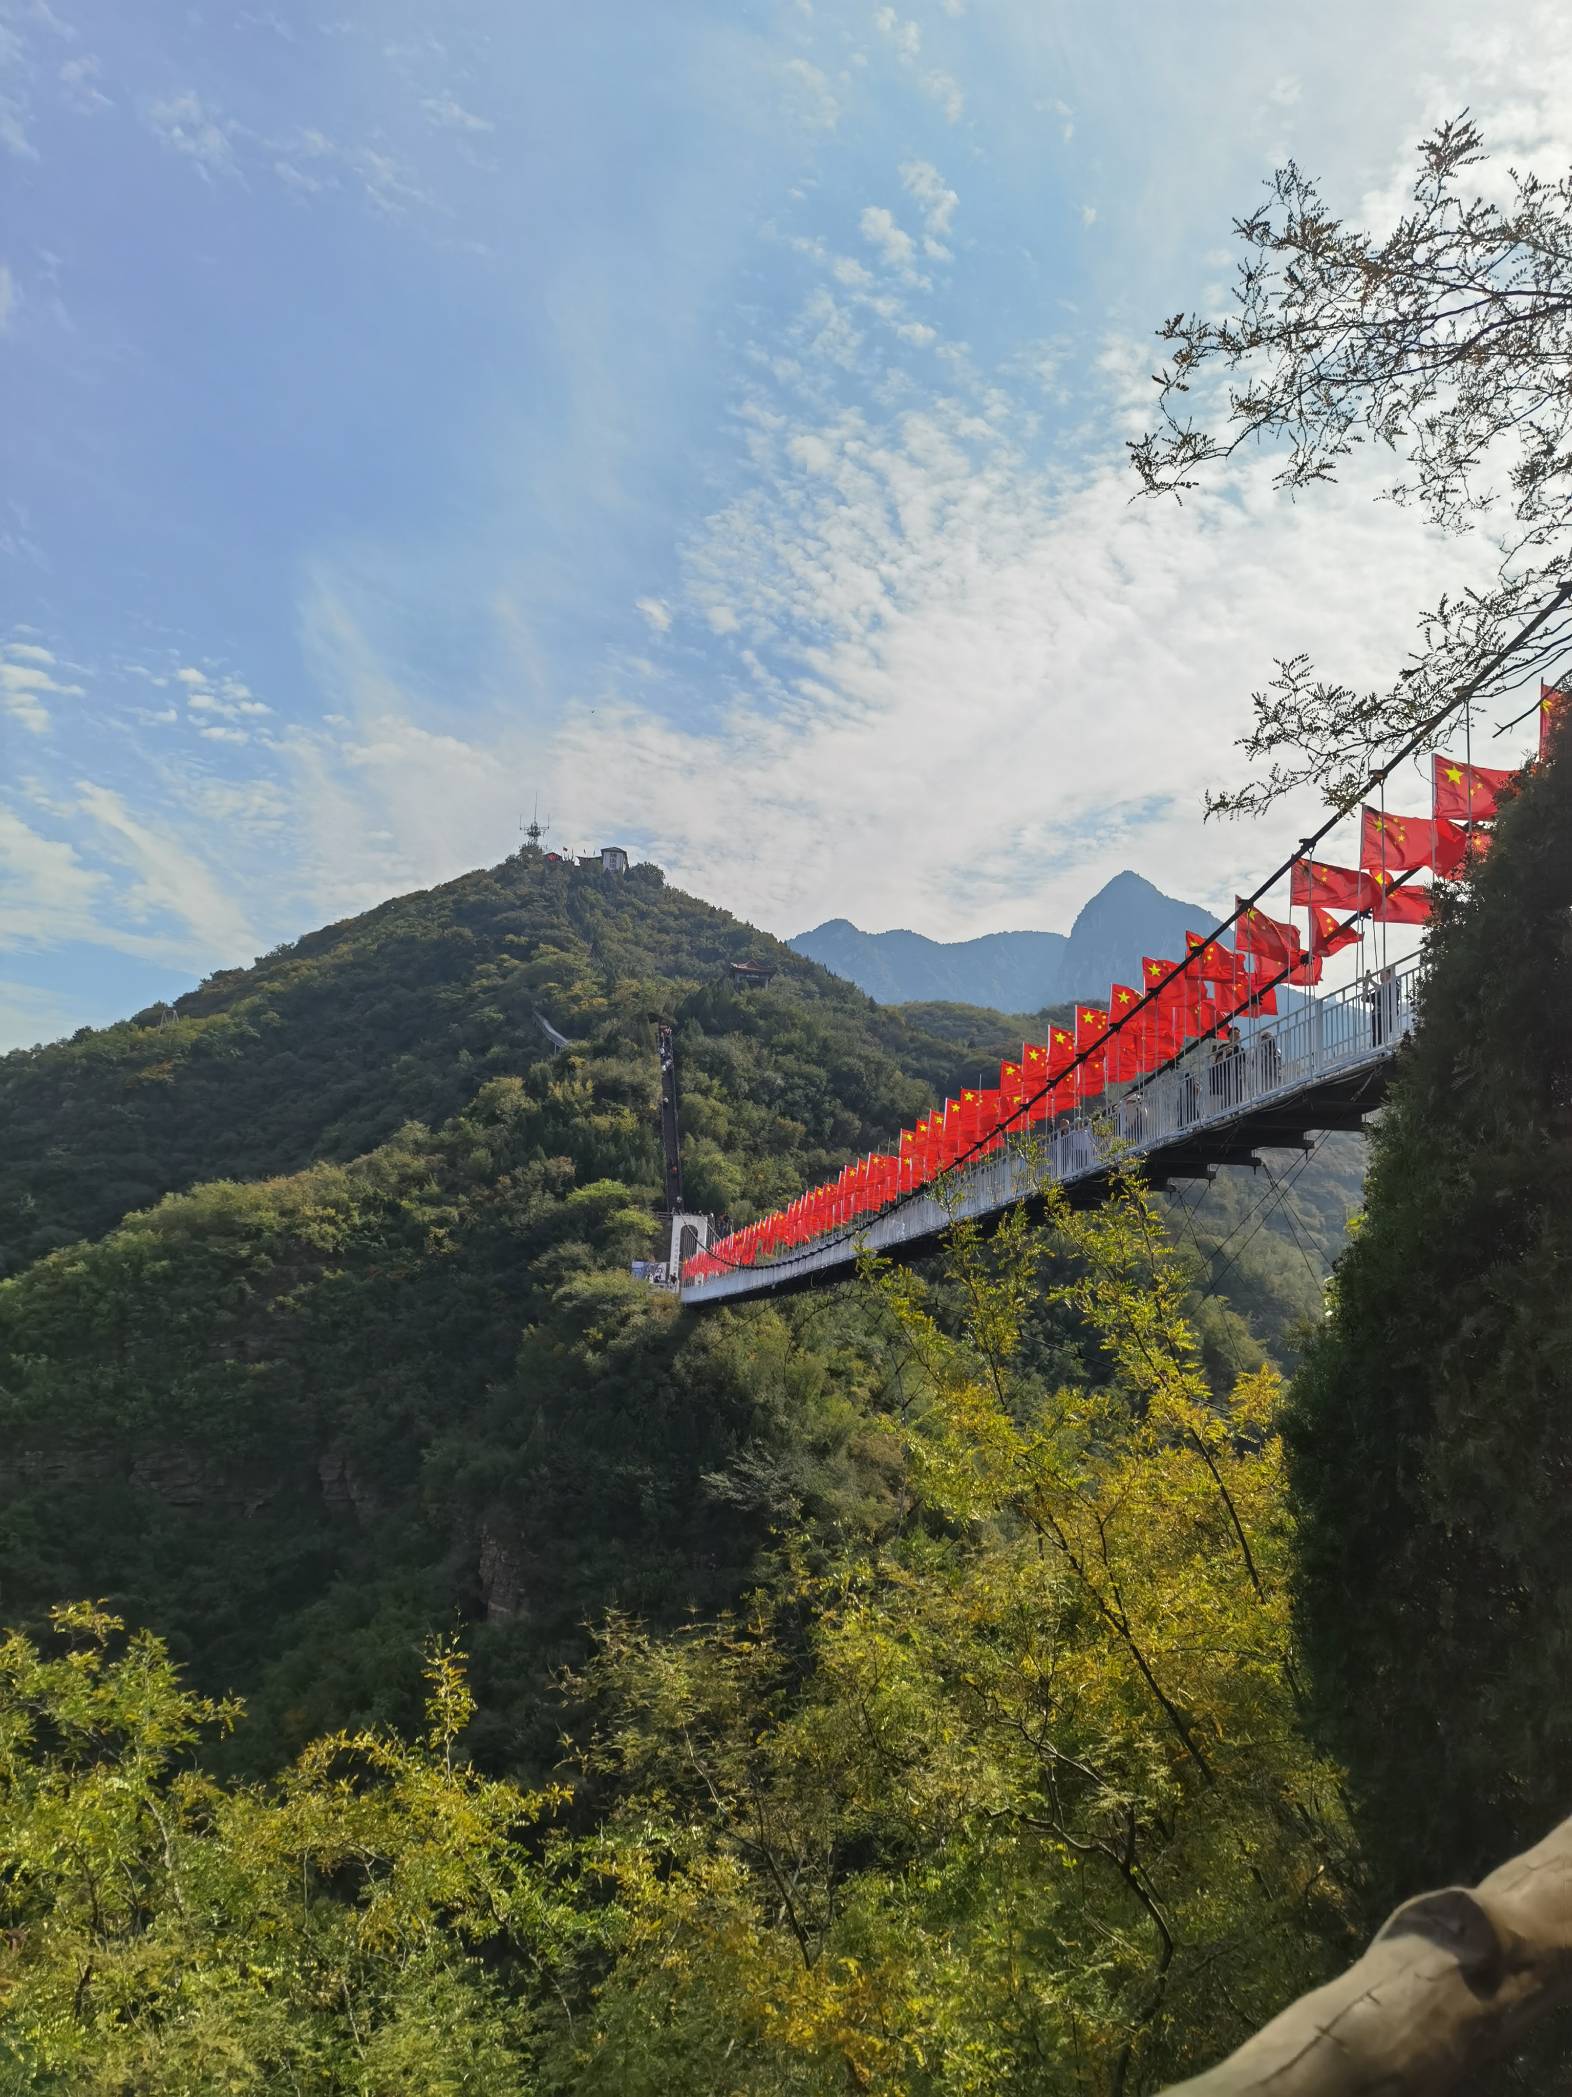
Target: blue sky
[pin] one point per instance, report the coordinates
(709, 418)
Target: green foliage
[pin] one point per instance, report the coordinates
(373, 1922)
(298, 1423)
(1429, 1421)
(1262, 1245)
(298, 1419)
(999, 1783)
(1018, 1798)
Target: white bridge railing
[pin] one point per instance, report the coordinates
(1278, 1059)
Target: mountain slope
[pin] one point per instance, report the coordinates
(377, 1363)
(1007, 970)
(1014, 971)
(381, 1366)
(325, 1048)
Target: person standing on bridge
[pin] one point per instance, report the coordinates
(1381, 997)
(1222, 1079)
(1268, 1062)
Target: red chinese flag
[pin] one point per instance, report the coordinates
(1307, 971)
(1552, 711)
(1034, 1076)
(1328, 932)
(1159, 975)
(1091, 1024)
(1314, 885)
(1258, 991)
(992, 1107)
(1264, 937)
(1467, 793)
(1451, 848)
(1394, 844)
(1210, 959)
(1011, 1086)
(1061, 1051)
(1197, 1015)
(1408, 905)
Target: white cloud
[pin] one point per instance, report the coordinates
(226, 709)
(947, 92)
(15, 72)
(811, 452)
(191, 676)
(1088, 214)
(30, 1015)
(809, 96)
(8, 297)
(448, 111)
(880, 230)
(905, 36)
(24, 686)
(79, 78)
(50, 896)
(29, 652)
(828, 332)
(938, 201)
(655, 611)
(185, 125)
(46, 893)
(982, 693)
(170, 878)
(224, 735)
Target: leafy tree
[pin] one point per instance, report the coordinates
(371, 1923)
(297, 1425)
(1429, 1422)
(1446, 341)
(1021, 1796)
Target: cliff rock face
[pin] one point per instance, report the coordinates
(1014, 971)
(501, 1577)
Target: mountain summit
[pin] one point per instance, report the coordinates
(1013, 971)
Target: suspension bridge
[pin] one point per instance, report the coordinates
(1322, 1066)
(1161, 1078)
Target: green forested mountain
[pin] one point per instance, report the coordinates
(324, 1048)
(377, 1363)
(383, 1365)
(342, 1354)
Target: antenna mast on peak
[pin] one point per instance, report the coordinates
(534, 830)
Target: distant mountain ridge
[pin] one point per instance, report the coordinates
(1014, 971)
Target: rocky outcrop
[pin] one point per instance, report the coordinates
(501, 1570)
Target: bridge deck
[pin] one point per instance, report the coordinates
(1323, 1066)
